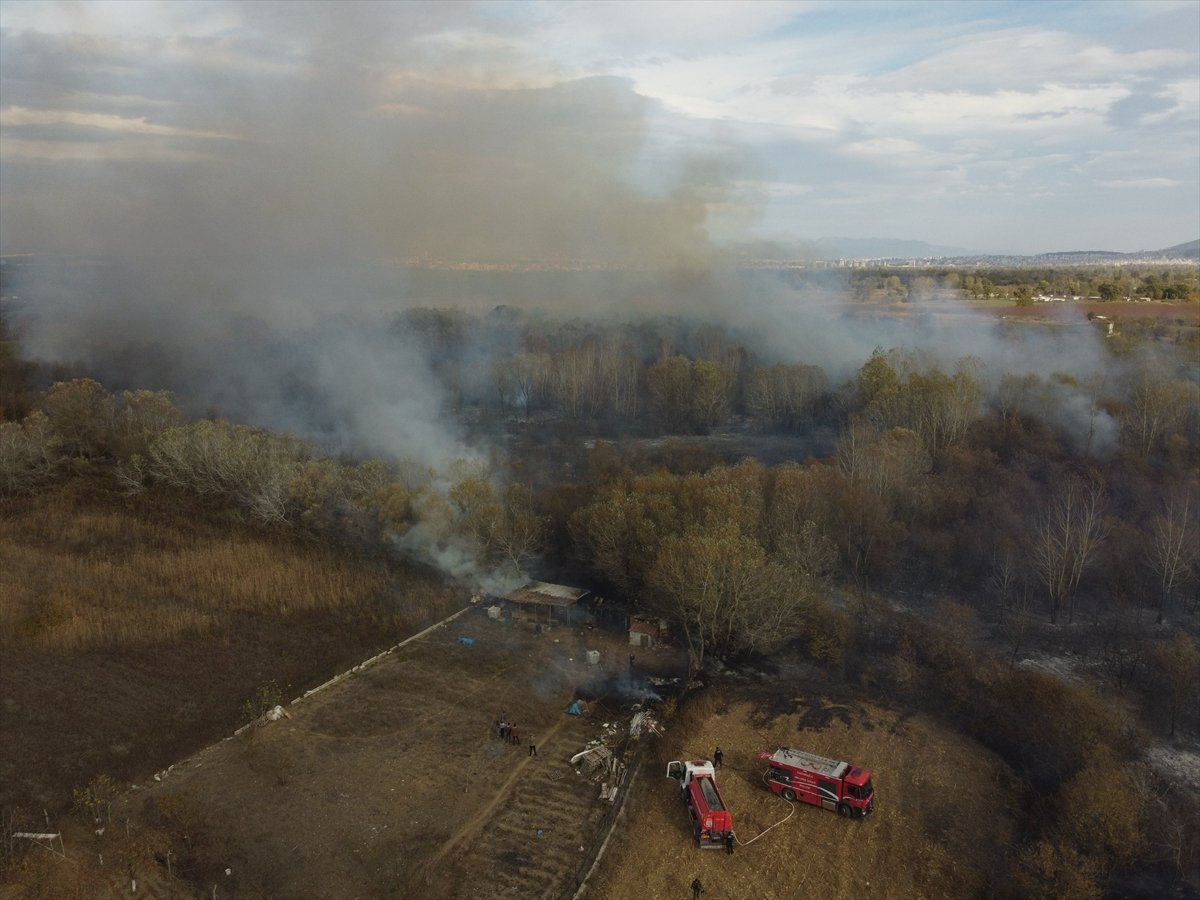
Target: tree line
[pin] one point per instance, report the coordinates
(1107, 283)
(1003, 490)
(671, 376)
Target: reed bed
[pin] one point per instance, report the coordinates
(117, 573)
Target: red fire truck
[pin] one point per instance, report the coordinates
(822, 782)
(712, 824)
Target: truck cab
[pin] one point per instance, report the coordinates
(712, 824)
(828, 783)
(685, 771)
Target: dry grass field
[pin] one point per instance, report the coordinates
(944, 809)
(133, 630)
(389, 783)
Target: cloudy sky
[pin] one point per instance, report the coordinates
(595, 130)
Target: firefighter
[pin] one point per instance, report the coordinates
(729, 843)
(697, 889)
(718, 758)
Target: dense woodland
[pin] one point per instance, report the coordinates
(963, 517)
(1106, 283)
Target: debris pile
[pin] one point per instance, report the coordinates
(598, 764)
(643, 722)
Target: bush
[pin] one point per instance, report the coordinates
(95, 798)
(266, 698)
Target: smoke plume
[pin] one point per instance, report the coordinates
(252, 197)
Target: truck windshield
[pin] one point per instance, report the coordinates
(866, 790)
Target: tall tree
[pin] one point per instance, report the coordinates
(1176, 662)
(1172, 548)
(722, 591)
(1067, 534)
(81, 413)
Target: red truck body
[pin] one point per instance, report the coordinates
(712, 823)
(816, 780)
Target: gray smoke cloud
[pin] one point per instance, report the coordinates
(841, 337)
(254, 195)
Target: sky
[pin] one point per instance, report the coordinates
(626, 132)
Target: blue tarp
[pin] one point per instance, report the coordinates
(466, 641)
(574, 709)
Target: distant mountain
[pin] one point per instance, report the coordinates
(898, 251)
(1189, 252)
(1191, 248)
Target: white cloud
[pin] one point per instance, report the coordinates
(114, 151)
(1140, 183)
(17, 116)
(848, 105)
(1026, 58)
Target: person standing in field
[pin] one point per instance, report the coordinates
(697, 889)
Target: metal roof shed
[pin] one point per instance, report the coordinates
(546, 603)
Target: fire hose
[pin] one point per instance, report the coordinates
(791, 812)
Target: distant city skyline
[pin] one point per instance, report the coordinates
(606, 130)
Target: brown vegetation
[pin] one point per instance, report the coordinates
(134, 628)
(173, 571)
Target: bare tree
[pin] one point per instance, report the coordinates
(1015, 629)
(1066, 537)
(1159, 407)
(81, 413)
(782, 396)
(522, 380)
(711, 385)
(723, 591)
(669, 383)
(943, 406)
(891, 464)
(1177, 664)
(1003, 579)
(1015, 397)
(254, 467)
(1171, 548)
(28, 451)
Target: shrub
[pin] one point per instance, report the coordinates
(265, 699)
(95, 798)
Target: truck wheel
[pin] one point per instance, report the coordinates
(844, 810)
(789, 795)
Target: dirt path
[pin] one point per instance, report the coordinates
(487, 812)
(534, 842)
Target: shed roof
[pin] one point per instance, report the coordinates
(543, 594)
